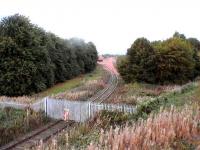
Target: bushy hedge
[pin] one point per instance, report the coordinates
(174, 60)
(33, 59)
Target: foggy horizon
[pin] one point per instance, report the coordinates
(111, 25)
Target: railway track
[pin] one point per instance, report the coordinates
(102, 95)
(44, 133)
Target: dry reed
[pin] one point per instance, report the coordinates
(81, 93)
(157, 132)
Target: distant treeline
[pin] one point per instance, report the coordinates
(110, 55)
(175, 60)
(32, 59)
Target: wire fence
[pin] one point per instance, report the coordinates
(79, 111)
(96, 107)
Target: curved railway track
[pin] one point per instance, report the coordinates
(102, 95)
(44, 133)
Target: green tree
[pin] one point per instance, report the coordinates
(174, 61)
(32, 59)
(141, 57)
(27, 61)
(196, 46)
(195, 43)
(179, 35)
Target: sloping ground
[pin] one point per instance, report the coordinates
(38, 136)
(169, 129)
(135, 93)
(92, 87)
(153, 118)
(98, 74)
(86, 90)
(15, 123)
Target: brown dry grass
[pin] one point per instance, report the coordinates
(157, 132)
(82, 93)
(136, 93)
(20, 99)
(164, 130)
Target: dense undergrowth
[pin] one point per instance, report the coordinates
(136, 93)
(14, 123)
(164, 130)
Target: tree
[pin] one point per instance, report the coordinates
(179, 35)
(196, 46)
(27, 59)
(125, 71)
(174, 61)
(141, 56)
(32, 59)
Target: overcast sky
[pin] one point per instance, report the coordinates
(112, 25)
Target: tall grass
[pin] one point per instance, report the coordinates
(157, 132)
(14, 123)
(174, 128)
(181, 122)
(137, 93)
(20, 99)
(90, 88)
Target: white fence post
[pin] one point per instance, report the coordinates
(45, 105)
(89, 111)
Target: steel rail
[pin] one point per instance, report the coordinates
(101, 96)
(31, 139)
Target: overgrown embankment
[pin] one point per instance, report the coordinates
(15, 123)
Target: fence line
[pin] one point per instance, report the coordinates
(13, 105)
(37, 106)
(96, 107)
(79, 111)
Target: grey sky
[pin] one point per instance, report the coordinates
(112, 25)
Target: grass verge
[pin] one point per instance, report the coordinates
(72, 83)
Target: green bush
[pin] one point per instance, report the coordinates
(109, 118)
